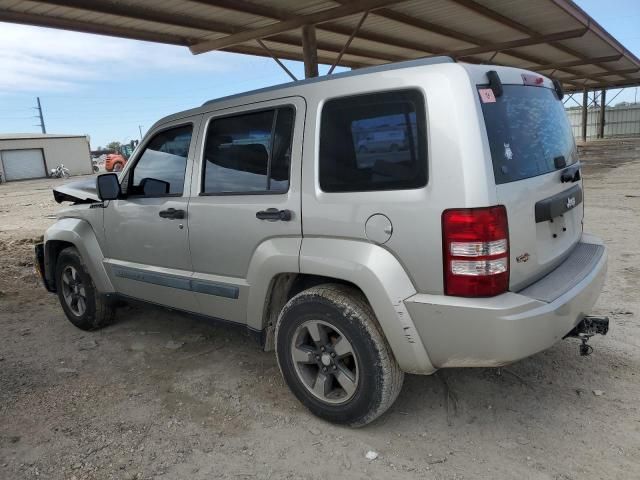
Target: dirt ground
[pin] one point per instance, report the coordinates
(161, 395)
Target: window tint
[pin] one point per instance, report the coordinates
(373, 142)
(249, 153)
(161, 167)
(527, 129)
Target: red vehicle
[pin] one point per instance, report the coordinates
(115, 162)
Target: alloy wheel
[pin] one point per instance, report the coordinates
(73, 291)
(325, 361)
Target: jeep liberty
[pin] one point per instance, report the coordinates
(394, 219)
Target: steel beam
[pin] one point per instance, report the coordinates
(504, 20)
(277, 60)
(89, 27)
(574, 63)
(522, 42)
(357, 6)
(146, 14)
(601, 74)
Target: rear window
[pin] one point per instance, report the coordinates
(373, 142)
(527, 129)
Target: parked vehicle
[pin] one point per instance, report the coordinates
(465, 250)
(388, 140)
(60, 172)
(115, 162)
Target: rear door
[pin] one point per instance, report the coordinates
(246, 197)
(531, 146)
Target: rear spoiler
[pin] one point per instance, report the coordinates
(496, 84)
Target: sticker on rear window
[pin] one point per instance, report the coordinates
(486, 95)
(508, 153)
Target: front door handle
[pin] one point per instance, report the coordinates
(273, 215)
(172, 214)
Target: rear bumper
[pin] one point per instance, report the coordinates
(480, 332)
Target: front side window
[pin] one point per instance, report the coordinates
(249, 153)
(161, 167)
(373, 142)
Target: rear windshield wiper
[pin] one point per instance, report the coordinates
(571, 174)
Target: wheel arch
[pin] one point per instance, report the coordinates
(367, 267)
(74, 232)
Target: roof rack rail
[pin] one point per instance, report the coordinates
(351, 73)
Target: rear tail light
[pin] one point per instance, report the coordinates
(475, 251)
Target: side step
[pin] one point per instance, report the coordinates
(587, 328)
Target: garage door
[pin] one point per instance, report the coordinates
(22, 164)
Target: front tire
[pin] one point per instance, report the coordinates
(81, 302)
(334, 357)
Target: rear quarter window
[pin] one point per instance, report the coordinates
(528, 130)
(373, 142)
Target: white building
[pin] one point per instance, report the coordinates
(29, 155)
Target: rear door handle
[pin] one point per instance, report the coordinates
(172, 214)
(274, 215)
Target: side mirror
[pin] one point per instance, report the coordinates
(152, 187)
(108, 186)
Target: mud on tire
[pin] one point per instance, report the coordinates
(359, 379)
(83, 305)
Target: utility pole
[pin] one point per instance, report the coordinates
(140, 128)
(39, 108)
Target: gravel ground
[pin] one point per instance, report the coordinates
(161, 395)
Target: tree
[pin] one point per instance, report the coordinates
(113, 146)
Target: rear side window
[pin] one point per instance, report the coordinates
(249, 153)
(527, 130)
(373, 142)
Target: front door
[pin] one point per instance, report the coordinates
(146, 232)
(246, 202)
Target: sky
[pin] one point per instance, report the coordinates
(111, 88)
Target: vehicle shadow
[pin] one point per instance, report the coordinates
(533, 392)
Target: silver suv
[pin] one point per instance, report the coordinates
(461, 247)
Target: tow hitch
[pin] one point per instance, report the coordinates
(587, 328)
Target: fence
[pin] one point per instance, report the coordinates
(622, 121)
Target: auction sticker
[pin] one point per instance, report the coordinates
(487, 96)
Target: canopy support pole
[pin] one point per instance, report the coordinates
(310, 51)
(603, 106)
(585, 103)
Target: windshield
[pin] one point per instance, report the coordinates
(527, 129)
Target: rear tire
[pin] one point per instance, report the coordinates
(347, 374)
(82, 304)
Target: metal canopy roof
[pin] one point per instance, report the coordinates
(553, 37)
